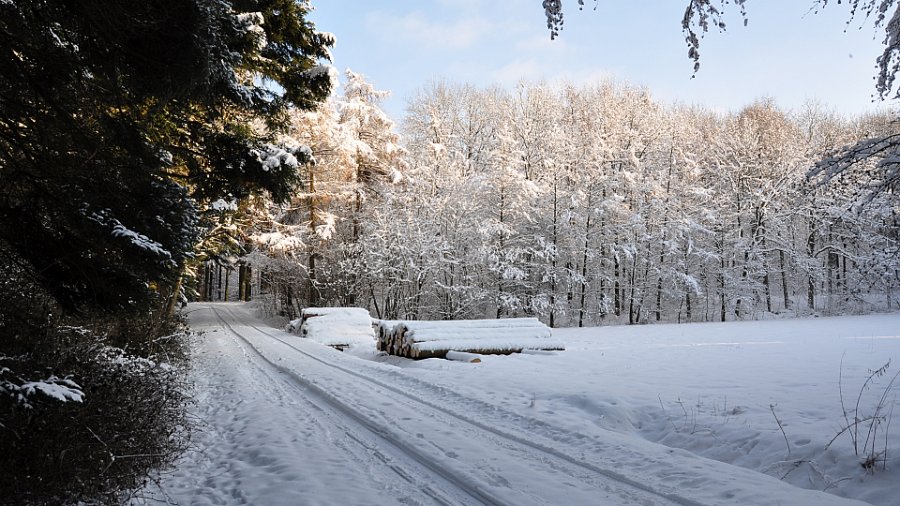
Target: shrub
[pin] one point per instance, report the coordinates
(868, 424)
(86, 412)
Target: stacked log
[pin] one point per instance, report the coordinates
(419, 339)
(384, 330)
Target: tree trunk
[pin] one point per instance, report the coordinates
(241, 281)
(584, 269)
(784, 283)
(810, 250)
(248, 279)
(175, 296)
(312, 298)
(553, 263)
(632, 318)
(219, 282)
(204, 278)
(617, 296)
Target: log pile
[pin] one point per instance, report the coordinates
(383, 331)
(419, 339)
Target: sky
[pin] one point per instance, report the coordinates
(786, 51)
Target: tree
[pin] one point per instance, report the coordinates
(312, 247)
(122, 120)
(873, 160)
(598, 204)
(132, 133)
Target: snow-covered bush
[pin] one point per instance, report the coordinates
(86, 413)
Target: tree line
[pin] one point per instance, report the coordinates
(585, 205)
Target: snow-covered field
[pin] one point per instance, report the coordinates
(626, 415)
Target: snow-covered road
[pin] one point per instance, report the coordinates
(285, 421)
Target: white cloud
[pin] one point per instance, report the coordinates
(414, 27)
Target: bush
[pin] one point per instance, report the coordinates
(87, 412)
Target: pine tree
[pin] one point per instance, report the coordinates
(120, 120)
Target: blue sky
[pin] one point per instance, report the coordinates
(786, 51)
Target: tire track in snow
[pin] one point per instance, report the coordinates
(313, 392)
(511, 440)
(245, 458)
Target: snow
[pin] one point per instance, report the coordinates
(57, 389)
(320, 70)
(278, 242)
(224, 205)
(140, 240)
(252, 22)
(462, 356)
(62, 390)
(435, 337)
(339, 326)
(120, 357)
(327, 227)
(415, 325)
(136, 238)
(658, 414)
(273, 158)
(478, 334)
(491, 344)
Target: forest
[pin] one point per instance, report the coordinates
(149, 148)
(581, 205)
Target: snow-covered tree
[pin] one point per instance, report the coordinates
(589, 204)
(312, 244)
(121, 120)
(701, 15)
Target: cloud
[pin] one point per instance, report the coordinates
(422, 32)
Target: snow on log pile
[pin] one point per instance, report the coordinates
(338, 327)
(383, 331)
(428, 339)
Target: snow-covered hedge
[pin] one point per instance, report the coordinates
(338, 327)
(87, 413)
(426, 339)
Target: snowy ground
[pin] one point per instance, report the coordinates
(627, 415)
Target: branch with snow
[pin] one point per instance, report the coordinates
(52, 388)
(880, 155)
(273, 158)
(141, 241)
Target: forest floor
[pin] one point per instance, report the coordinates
(733, 413)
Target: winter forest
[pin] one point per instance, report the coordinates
(578, 205)
(156, 156)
